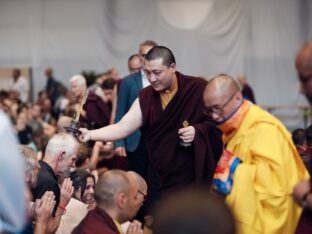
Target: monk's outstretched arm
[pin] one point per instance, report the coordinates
(127, 125)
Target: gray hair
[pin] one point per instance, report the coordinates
(30, 159)
(81, 80)
(61, 142)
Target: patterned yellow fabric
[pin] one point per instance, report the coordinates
(230, 127)
(261, 197)
(167, 95)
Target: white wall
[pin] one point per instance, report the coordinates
(258, 38)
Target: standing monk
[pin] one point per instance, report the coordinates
(261, 196)
(160, 110)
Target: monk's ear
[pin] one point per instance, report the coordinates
(121, 200)
(172, 67)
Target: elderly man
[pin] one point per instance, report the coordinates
(42, 208)
(96, 113)
(270, 165)
(134, 63)
(182, 144)
(60, 155)
(116, 196)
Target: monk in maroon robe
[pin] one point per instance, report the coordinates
(118, 201)
(170, 112)
(177, 165)
(96, 221)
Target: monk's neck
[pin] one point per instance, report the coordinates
(173, 87)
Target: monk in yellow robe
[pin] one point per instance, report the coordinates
(261, 195)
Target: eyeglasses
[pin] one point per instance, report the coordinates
(217, 109)
(143, 194)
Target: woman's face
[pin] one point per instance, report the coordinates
(88, 195)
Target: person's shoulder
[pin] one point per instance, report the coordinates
(129, 78)
(192, 79)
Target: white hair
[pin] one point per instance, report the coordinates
(61, 142)
(81, 80)
(30, 158)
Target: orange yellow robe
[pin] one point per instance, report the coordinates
(261, 197)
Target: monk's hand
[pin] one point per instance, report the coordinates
(135, 228)
(187, 134)
(85, 135)
(300, 190)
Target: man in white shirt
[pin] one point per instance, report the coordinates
(20, 85)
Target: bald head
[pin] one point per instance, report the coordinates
(222, 97)
(222, 85)
(142, 186)
(110, 184)
(304, 60)
(304, 69)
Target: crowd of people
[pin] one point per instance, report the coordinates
(155, 152)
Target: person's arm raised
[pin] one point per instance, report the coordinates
(127, 125)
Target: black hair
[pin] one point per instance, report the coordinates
(163, 53)
(299, 136)
(108, 83)
(79, 179)
(309, 135)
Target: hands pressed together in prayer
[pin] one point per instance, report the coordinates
(67, 191)
(44, 207)
(187, 134)
(135, 228)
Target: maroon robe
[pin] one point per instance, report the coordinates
(97, 111)
(180, 166)
(96, 221)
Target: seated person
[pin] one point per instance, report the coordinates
(116, 195)
(81, 202)
(41, 209)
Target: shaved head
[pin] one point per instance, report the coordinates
(222, 97)
(222, 85)
(304, 60)
(109, 185)
(139, 179)
(304, 69)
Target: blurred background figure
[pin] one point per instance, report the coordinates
(246, 89)
(193, 211)
(134, 63)
(12, 182)
(19, 85)
(304, 69)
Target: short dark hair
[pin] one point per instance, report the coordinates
(163, 53)
(79, 178)
(309, 135)
(108, 83)
(299, 136)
